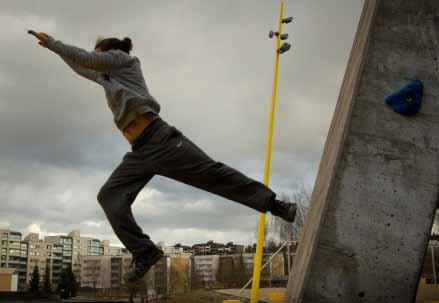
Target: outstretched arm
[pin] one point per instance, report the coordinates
(100, 61)
(82, 71)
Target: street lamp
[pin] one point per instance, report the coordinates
(280, 49)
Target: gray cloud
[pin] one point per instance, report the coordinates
(210, 66)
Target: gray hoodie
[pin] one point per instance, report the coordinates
(118, 73)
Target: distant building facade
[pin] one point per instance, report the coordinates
(86, 246)
(52, 255)
(98, 265)
(96, 271)
(205, 269)
(14, 254)
(37, 257)
(212, 248)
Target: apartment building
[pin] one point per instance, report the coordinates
(95, 271)
(60, 254)
(64, 245)
(37, 257)
(117, 251)
(205, 268)
(185, 248)
(14, 254)
(86, 246)
(212, 248)
(105, 273)
(168, 250)
(98, 265)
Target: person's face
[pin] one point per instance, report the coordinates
(98, 50)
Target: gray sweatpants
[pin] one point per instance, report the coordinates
(163, 150)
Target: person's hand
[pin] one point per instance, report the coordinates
(42, 37)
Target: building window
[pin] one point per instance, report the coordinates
(15, 237)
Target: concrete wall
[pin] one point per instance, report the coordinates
(377, 189)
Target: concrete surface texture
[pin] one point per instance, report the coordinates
(377, 188)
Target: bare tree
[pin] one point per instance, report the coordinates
(281, 230)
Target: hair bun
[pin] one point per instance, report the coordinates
(129, 44)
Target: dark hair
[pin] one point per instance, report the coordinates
(113, 43)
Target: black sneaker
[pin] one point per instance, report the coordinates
(142, 263)
(286, 211)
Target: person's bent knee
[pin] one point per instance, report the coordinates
(103, 195)
(111, 201)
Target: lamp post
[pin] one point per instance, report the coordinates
(280, 49)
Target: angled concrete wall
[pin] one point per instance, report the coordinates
(378, 184)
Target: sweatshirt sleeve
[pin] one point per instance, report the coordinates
(82, 71)
(100, 61)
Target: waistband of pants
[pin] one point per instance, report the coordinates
(147, 133)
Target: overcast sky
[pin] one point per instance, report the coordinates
(208, 63)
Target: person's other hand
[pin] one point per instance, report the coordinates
(42, 37)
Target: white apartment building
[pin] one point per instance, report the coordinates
(55, 253)
(117, 251)
(86, 246)
(103, 272)
(206, 267)
(95, 271)
(37, 256)
(167, 250)
(13, 254)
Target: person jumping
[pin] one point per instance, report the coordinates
(157, 148)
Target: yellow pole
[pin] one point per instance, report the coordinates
(261, 225)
